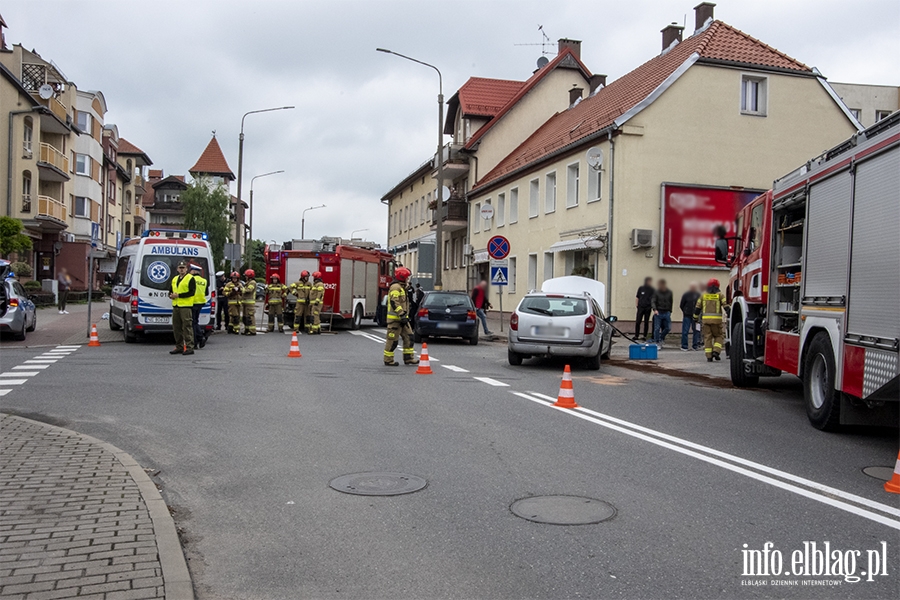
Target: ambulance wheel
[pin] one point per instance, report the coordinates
(130, 336)
(357, 318)
(739, 376)
(823, 401)
(112, 323)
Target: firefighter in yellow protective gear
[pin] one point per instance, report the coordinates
(708, 311)
(234, 290)
(277, 295)
(398, 319)
(316, 299)
(300, 289)
(248, 302)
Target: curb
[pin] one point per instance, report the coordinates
(176, 577)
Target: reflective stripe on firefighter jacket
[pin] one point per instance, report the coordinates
(301, 290)
(248, 292)
(200, 294)
(317, 293)
(398, 303)
(233, 291)
(709, 307)
(277, 292)
(182, 287)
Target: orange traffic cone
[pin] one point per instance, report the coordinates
(424, 363)
(295, 347)
(566, 398)
(893, 486)
(95, 339)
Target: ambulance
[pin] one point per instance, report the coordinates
(140, 301)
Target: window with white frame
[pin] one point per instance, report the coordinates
(534, 198)
(26, 191)
(82, 207)
(753, 95)
(487, 222)
(511, 279)
(532, 272)
(422, 215)
(573, 184)
(415, 215)
(857, 113)
(476, 217)
(27, 136)
(595, 185)
(550, 193)
(446, 255)
(881, 114)
(500, 213)
(548, 265)
(83, 164)
(513, 206)
(84, 121)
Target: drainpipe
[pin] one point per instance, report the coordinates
(9, 158)
(609, 226)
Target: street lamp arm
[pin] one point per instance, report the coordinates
(415, 60)
(255, 177)
(253, 112)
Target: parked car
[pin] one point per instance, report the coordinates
(18, 313)
(565, 318)
(260, 291)
(446, 314)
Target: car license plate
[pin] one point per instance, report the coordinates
(161, 320)
(556, 332)
(447, 326)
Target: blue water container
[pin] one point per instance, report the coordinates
(642, 351)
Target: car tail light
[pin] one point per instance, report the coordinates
(589, 324)
(514, 321)
(13, 302)
(470, 314)
(423, 312)
(134, 301)
(212, 302)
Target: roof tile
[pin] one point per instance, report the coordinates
(212, 162)
(484, 97)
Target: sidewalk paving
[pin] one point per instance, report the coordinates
(54, 328)
(79, 518)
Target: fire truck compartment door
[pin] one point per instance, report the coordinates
(371, 287)
(828, 236)
(347, 281)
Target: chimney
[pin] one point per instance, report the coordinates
(597, 81)
(702, 12)
(573, 45)
(671, 33)
(575, 94)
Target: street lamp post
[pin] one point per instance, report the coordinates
(439, 201)
(303, 220)
(357, 231)
(250, 236)
(237, 223)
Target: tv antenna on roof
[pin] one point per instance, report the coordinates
(545, 44)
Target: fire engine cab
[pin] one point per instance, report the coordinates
(356, 275)
(816, 279)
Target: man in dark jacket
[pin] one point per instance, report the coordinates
(688, 326)
(661, 304)
(221, 301)
(642, 301)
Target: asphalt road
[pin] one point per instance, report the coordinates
(246, 441)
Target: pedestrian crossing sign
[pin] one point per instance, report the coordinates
(499, 275)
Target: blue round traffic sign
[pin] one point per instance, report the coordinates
(498, 247)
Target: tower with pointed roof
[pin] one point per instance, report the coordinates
(212, 166)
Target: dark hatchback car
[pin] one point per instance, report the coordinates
(446, 314)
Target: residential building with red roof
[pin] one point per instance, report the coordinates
(678, 144)
(133, 160)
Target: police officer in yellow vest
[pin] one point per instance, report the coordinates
(300, 289)
(316, 299)
(233, 291)
(398, 321)
(708, 311)
(183, 288)
(248, 302)
(199, 303)
(277, 295)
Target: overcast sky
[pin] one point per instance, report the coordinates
(174, 71)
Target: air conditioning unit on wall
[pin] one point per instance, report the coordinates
(642, 238)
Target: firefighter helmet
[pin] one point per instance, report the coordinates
(235, 274)
(712, 282)
(249, 273)
(304, 274)
(275, 277)
(317, 275)
(402, 274)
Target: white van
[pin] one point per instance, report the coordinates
(140, 301)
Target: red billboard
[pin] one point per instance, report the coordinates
(689, 216)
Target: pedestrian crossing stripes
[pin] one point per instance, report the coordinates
(27, 371)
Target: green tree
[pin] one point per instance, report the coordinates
(206, 209)
(11, 237)
(257, 259)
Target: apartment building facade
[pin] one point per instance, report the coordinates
(134, 161)
(703, 126)
(869, 103)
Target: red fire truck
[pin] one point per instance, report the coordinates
(356, 276)
(815, 281)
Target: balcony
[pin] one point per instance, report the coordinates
(52, 208)
(140, 214)
(456, 216)
(26, 203)
(53, 164)
(455, 163)
(126, 208)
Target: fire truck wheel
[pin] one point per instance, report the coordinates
(357, 317)
(823, 401)
(739, 376)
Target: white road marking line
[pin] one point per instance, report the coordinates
(70, 347)
(4, 392)
(490, 381)
(19, 374)
(31, 367)
(66, 352)
(383, 331)
(13, 381)
(40, 361)
(50, 356)
(736, 469)
(454, 368)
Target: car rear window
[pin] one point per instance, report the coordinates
(447, 301)
(157, 271)
(554, 307)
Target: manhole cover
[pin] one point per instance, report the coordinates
(882, 473)
(377, 484)
(563, 510)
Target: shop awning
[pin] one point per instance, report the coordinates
(568, 246)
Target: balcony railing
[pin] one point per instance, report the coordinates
(457, 211)
(52, 156)
(140, 212)
(51, 207)
(126, 208)
(26, 203)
